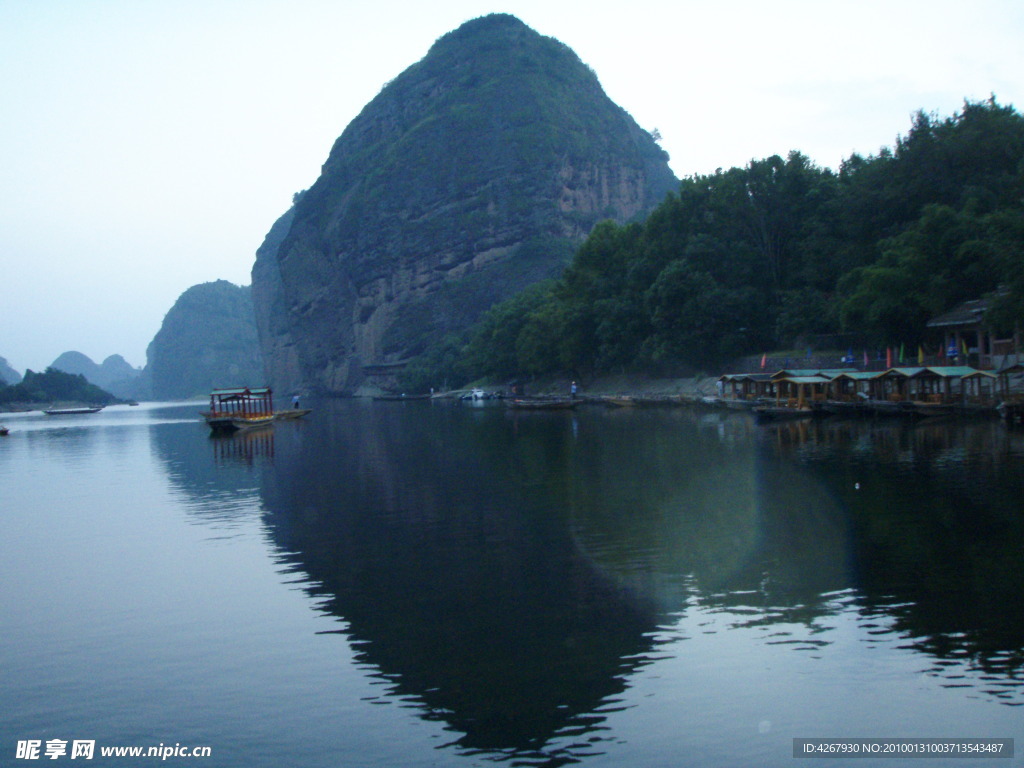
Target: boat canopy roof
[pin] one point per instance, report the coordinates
(804, 379)
(240, 393)
(826, 373)
(859, 375)
(948, 371)
(745, 377)
(908, 372)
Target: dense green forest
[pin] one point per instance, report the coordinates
(55, 386)
(776, 255)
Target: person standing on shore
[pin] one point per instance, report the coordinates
(572, 391)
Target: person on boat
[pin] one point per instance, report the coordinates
(572, 391)
(295, 401)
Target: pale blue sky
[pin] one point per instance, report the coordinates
(148, 145)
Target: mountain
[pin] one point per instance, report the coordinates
(7, 374)
(114, 374)
(56, 387)
(470, 176)
(206, 341)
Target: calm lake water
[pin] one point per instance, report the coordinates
(418, 584)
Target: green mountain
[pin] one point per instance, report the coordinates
(471, 175)
(783, 254)
(114, 374)
(53, 386)
(207, 340)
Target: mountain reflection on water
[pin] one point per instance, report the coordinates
(442, 544)
(507, 575)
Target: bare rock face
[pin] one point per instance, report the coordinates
(207, 340)
(472, 175)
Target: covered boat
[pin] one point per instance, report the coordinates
(232, 410)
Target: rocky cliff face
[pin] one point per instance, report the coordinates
(280, 354)
(207, 340)
(470, 176)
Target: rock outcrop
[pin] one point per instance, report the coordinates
(207, 340)
(470, 176)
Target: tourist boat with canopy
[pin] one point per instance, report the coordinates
(232, 410)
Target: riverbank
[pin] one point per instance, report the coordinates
(626, 385)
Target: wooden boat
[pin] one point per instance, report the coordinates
(620, 402)
(738, 404)
(234, 410)
(292, 413)
(238, 423)
(401, 397)
(933, 409)
(72, 411)
(3, 430)
(901, 408)
(764, 413)
(540, 404)
(843, 407)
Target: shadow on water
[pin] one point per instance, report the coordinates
(506, 575)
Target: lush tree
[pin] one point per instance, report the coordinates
(55, 386)
(781, 250)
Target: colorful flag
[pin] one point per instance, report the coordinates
(920, 355)
(901, 352)
(764, 360)
(866, 361)
(888, 357)
(963, 345)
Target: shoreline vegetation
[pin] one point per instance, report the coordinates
(53, 389)
(624, 385)
(779, 254)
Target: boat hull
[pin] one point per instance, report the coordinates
(541, 405)
(294, 413)
(227, 425)
(770, 413)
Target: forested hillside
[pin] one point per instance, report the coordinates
(774, 255)
(54, 386)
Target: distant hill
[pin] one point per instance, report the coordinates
(114, 374)
(7, 374)
(53, 386)
(207, 341)
(470, 176)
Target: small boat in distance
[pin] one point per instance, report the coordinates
(540, 404)
(72, 411)
(4, 430)
(766, 413)
(292, 413)
(619, 401)
(233, 410)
